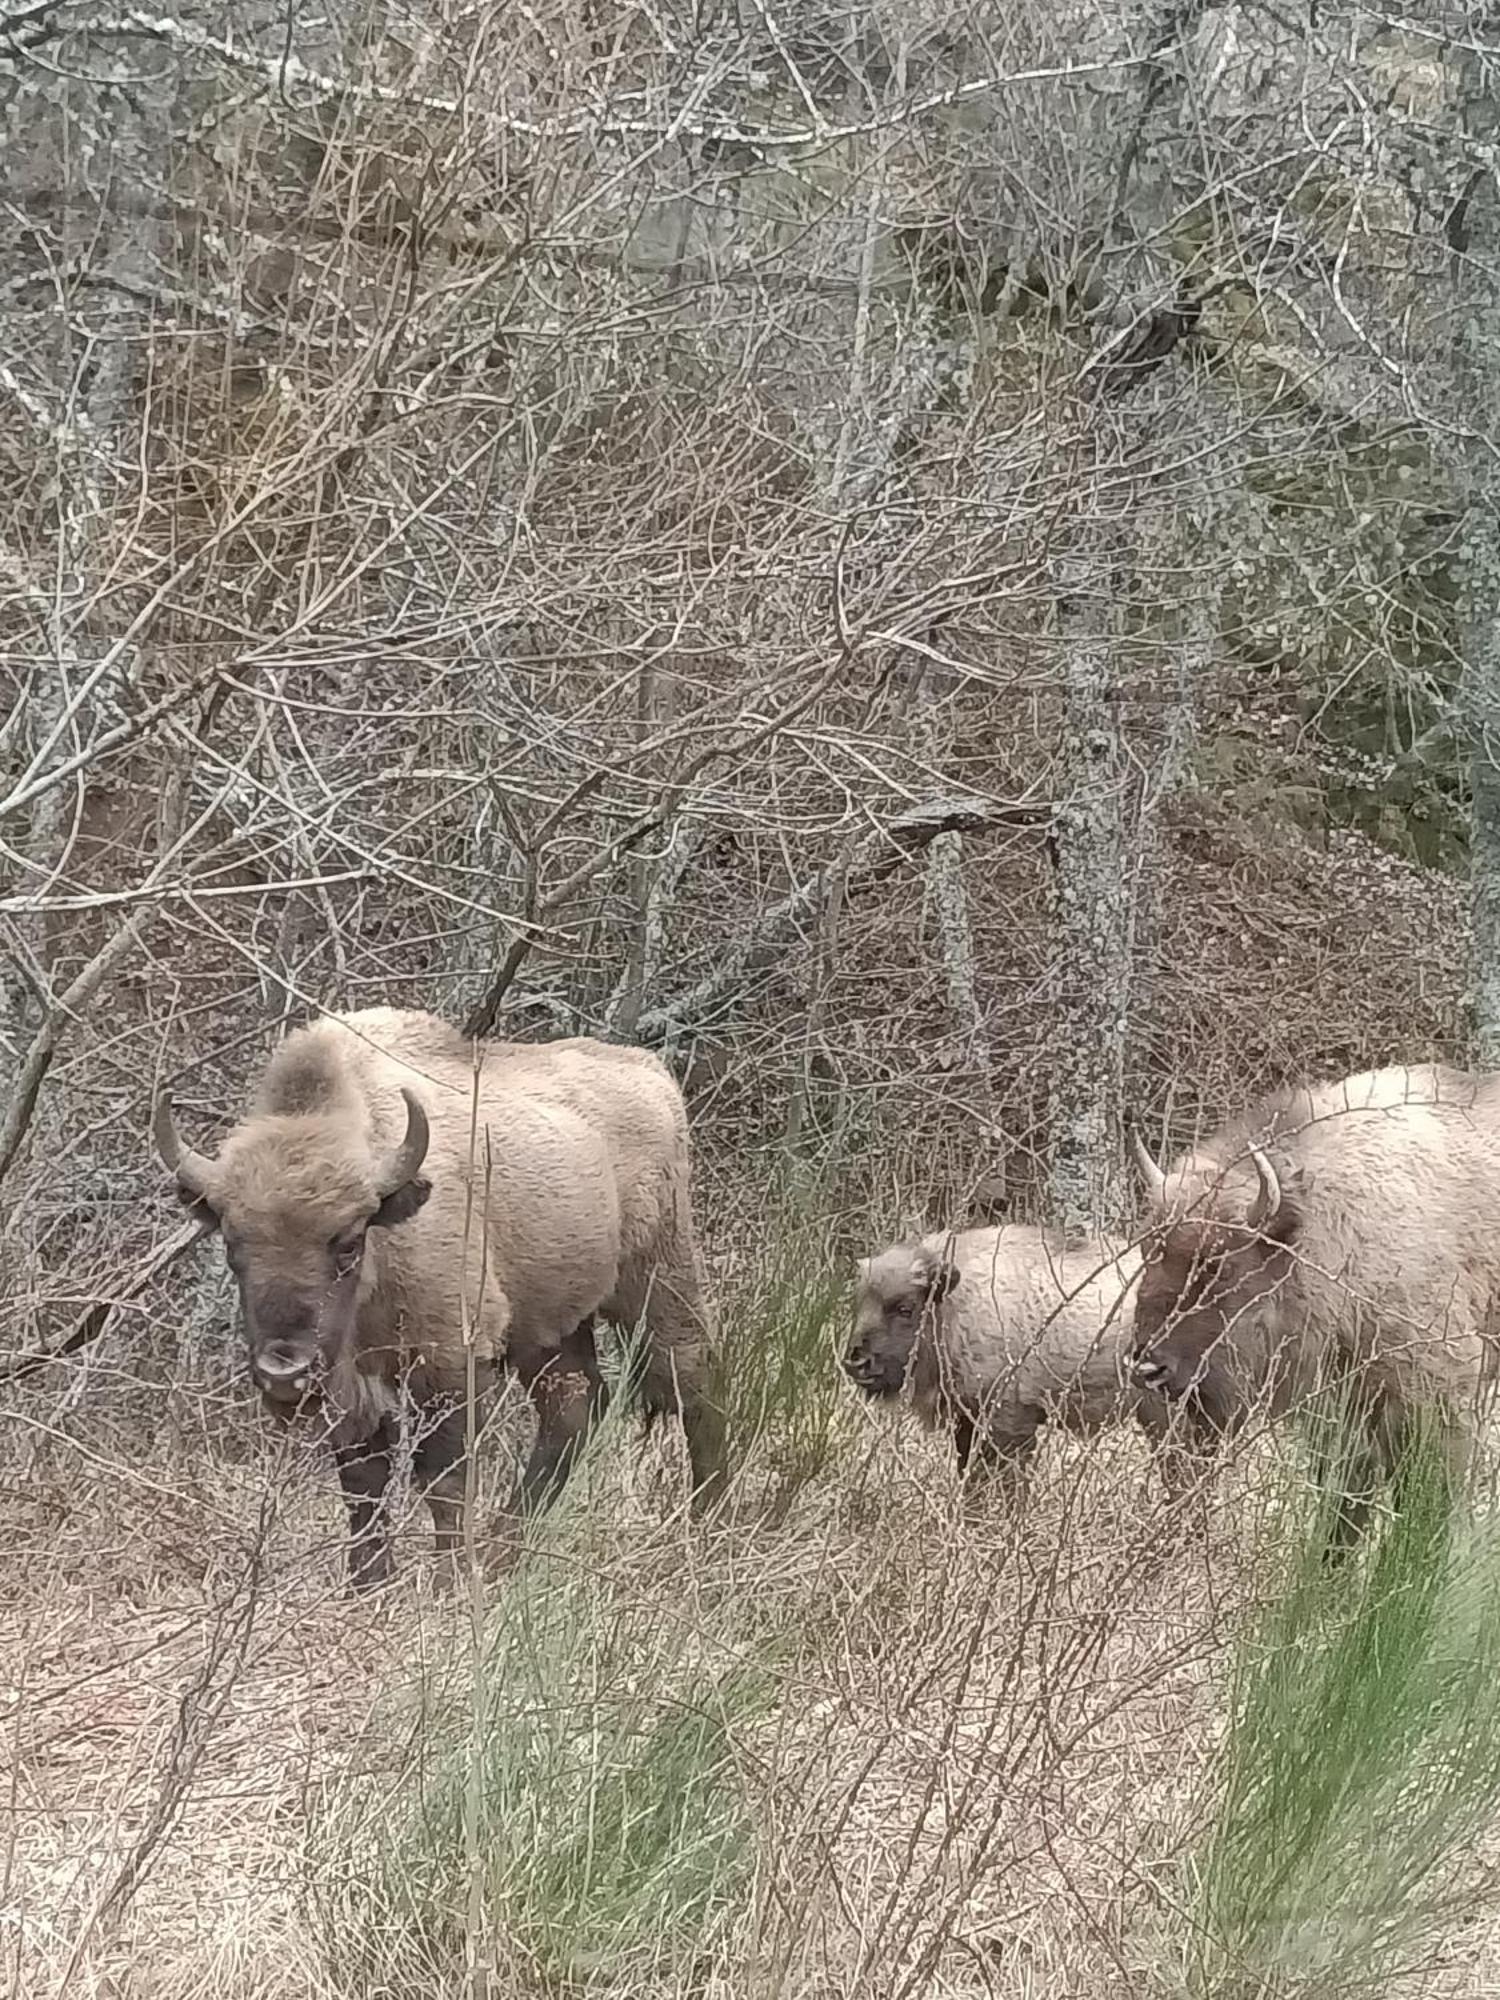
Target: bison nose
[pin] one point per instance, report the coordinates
(1151, 1373)
(281, 1371)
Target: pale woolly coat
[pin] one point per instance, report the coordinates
(559, 1180)
(1033, 1332)
(1390, 1200)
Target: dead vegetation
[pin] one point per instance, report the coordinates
(869, 553)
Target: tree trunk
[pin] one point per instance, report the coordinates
(1186, 612)
(1093, 911)
(1474, 237)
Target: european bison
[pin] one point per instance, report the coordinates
(1346, 1234)
(1001, 1330)
(396, 1191)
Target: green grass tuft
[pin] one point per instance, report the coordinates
(1363, 1753)
(568, 1810)
(779, 1384)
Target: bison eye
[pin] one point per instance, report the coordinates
(904, 1309)
(347, 1248)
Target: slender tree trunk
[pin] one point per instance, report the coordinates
(1093, 911)
(1474, 235)
(928, 359)
(1187, 612)
(948, 913)
(100, 151)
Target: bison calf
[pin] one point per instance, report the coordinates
(999, 1331)
(399, 1196)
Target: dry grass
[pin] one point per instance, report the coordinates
(982, 1753)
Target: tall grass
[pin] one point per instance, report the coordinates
(587, 1761)
(779, 1383)
(1363, 1751)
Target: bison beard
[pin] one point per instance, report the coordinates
(370, 1273)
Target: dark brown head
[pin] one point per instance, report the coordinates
(895, 1294)
(1215, 1252)
(295, 1199)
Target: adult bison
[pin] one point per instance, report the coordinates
(1001, 1330)
(1345, 1235)
(396, 1192)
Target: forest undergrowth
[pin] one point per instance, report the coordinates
(849, 1737)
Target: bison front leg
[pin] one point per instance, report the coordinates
(1183, 1446)
(570, 1396)
(1347, 1463)
(994, 1460)
(438, 1463)
(364, 1475)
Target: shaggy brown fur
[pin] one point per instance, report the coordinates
(1363, 1250)
(553, 1185)
(999, 1331)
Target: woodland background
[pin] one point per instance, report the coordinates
(938, 564)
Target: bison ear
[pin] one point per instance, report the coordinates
(402, 1205)
(934, 1276)
(198, 1207)
(1286, 1224)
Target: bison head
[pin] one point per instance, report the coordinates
(1215, 1253)
(895, 1292)
(295, 1199)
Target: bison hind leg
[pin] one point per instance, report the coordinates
(570, 1396)
(673, 1372)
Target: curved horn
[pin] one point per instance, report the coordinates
(1151, 1173)
(403, 1164)
(1268, 1196)
(192, 1169)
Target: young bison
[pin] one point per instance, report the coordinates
(1001, 1330)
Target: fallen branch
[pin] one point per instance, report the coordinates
(284, 70)
(871, 857)
(200, 1708)
(93, 1322)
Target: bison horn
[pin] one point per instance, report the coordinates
(1151, 1173)
(1268, 1196)
(404, 1163)
(192, 1169)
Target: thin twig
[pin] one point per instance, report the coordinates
(868, 858)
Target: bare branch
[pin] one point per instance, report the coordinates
(88, 1327)
(62, 1015)
(866, 859)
